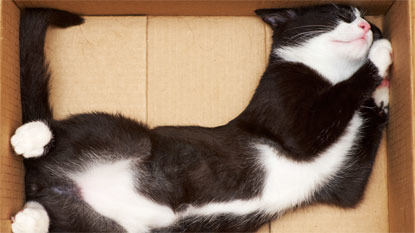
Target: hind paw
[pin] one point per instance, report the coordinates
(32, 219)
(31, 138)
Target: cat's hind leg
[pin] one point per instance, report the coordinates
(31, 139)
(32, 219)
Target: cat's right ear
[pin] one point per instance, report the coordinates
(276, 17)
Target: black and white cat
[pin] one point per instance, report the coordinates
(309, 135)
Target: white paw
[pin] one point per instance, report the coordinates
(32, 219)
(381, 95)
(381, 56)
(30, 139)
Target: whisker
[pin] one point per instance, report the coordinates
(306, 26)
(305, 34)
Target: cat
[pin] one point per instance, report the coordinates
(309, 135)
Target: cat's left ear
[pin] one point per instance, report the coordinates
(276, 17)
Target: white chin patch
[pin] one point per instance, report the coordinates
(31, 138)
(32, 219)
(336, 55)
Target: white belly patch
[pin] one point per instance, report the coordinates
(109, 189)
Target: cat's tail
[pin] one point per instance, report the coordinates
(34, 75)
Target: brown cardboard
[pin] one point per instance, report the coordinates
(99, 66)
(201, 70)
(189, 7)
(401, 125)
(11, 169)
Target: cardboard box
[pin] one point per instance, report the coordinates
(198, 62)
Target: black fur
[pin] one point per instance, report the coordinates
(293, 109)
(33, 72)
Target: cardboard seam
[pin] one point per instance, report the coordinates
(16, 4)
(147, 19)
(384, 137)
(411, 13)
(265, 43)
(388, 9)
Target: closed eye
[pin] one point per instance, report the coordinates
(348, 17)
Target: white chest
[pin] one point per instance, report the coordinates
(287, 182)
(290, 183)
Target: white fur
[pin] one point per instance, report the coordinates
(336, 55)
(381, 96)
(30, 139)
(32, 219)
(381, 56)
(288, 183)
(109, 188)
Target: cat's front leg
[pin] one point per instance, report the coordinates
(380, 55)
(31, 139)
(32, 219)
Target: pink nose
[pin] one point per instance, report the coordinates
(364, 25)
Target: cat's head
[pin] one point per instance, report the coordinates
(321, 35)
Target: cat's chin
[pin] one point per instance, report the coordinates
(355, 50)
(358, 40)
(354, 47)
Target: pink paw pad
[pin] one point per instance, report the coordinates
(384, 83)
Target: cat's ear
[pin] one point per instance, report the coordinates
(276, 17)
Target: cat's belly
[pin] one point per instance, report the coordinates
(108, 187)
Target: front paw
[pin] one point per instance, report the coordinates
(32, 219)
(380, 55)
(381, 97)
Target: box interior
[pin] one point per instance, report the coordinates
(198, 63)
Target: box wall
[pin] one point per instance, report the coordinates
(11, 168)
(189, 7)
(400, 128)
